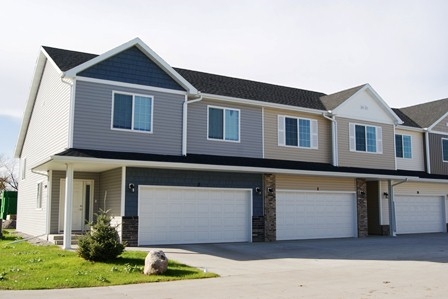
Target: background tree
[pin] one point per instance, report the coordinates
(8, 173)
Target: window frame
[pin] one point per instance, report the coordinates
(402, 146)
(134, 95)
(378, 138)
(23, 168)
(443, 156)
(281, 132)
(39, 195)
(223, 124)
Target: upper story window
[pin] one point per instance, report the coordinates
(223, 124)
(132, 112)
(403, 148)
(297, 132)
(366, 138)
(445, 149)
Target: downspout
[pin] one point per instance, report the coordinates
(334, 136)
(197, 98)
(428, 162)
(392, 218)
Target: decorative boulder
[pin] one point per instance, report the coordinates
(156, 262)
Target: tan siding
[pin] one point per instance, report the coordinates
(386, 160)
(441, 126)
(417, 162)
(316, 183)
(273, 151)
(46, 134)
(111, 183)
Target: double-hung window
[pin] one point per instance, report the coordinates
(132, 112)
(365, 138)
(223, 124)
(297, 132)
(445, 149)
(403, 148)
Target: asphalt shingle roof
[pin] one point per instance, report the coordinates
(407, 121)
(332, 101)
(214, 84)
(426, 114)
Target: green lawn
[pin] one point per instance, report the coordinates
(24, 266)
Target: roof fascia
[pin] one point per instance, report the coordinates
(407, 128)
(261, 103)
(437, 121)
(376, 97)
(146, 50)
(35, 83)
(193, 166)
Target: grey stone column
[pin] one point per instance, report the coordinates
(361, 203)
(270, 212)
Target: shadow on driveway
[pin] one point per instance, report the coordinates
(419, 247)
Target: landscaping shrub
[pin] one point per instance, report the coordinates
(102, 243)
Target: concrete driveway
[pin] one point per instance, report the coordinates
(408, 266)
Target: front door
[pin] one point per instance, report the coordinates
(82, 204)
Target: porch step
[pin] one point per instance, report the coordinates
(59, 239)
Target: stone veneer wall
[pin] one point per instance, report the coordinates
(361, 203)
(129, 230)
(257, 229)
(270, 213)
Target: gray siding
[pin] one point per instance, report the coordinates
(55, 194)
(165, 177)
(435, 157)
(46, 135)
(93, 114)
(251, 139)
(111, 183)
(386, 160)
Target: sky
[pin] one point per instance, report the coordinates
(399, 47)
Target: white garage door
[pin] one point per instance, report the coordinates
(311, 215)
(419, 214)
(182, 215)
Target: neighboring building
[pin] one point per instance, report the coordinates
(180, 156)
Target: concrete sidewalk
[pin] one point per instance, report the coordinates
(412, 266)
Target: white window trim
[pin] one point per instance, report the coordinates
(378, 138)
(402, 135)
(224, 124)
(23, 169)
(132, 120)
(39, 195)
(441, 144)
(314, 136)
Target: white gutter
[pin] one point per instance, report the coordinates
(185, 120)
(428, 162)
(334, 136)
(392, 218)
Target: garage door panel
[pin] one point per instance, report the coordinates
(308, 215)
(419, 214)
(179, 215)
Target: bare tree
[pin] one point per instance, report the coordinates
(8, 173)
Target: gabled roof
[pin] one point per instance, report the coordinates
(333, 100)
(407, 121)
(427, 114)
(66, 59)
(253, 90)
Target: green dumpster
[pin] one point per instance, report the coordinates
(8, 203)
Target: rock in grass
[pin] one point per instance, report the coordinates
(156, 262)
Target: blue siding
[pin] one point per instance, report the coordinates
(131, 66)
(164, 177)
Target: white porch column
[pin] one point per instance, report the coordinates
(68, 207)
